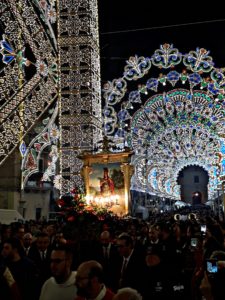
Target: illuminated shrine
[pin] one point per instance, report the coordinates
(168, 109)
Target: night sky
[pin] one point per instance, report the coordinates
(124, 15)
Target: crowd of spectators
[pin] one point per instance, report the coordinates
(168, 255)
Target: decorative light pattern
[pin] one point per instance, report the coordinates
(180, 122)
(28, 83)
(173, 129)
(40, 40)
(80, 90)
(47, 135)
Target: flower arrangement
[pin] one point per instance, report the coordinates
(73, 207)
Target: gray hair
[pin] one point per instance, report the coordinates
(128, 294)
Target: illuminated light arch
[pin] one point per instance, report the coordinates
(171, 120)
(49, 54)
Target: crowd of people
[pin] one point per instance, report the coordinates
(118, 258)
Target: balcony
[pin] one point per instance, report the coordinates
(36, 186)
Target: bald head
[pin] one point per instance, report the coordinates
(105, 235)
(89, 279)
(127, 294)
(89, 264)
(91, 268)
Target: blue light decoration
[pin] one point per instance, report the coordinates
(168, 186)
(152, 179)
(8, 54)
(222, 173)
(22, 148)
(222, 147)
(176, 118)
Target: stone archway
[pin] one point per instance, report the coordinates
(197, 198)
(193, 181)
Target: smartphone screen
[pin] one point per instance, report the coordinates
(203, 229)
(194, 242)
(212, 266)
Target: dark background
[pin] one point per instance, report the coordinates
(140, 27)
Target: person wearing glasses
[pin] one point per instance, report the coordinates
(62, 283)
(90, 282)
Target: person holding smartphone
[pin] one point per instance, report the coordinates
(212, 285)
(213, 239)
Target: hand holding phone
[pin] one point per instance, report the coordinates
(211, 266)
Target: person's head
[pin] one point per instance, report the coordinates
(59, 238)
(6, 232)
(61, 261)
(19, 232)
(125, 244)
(105, 238)
(51, 230)
(89, 279)
(42, 241)
(164, 231)
(27, 239)
(12, 249)
(127, 293)
(153, 233)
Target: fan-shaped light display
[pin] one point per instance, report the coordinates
(172, 120)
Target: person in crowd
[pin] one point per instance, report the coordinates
(62, 283)
(212, 285)
(90, 282)
(143, 238)
(39, 253)
(18, 232)
(59, 239)
(106, 254)
(154, 288)
(132, 267)
(6, 232)
(171, 263)
(27, 242)
(127, 293)
(40, 249)
(153, 240)
(9, 289)
(51, 232)
(211, 241)
(23, 269)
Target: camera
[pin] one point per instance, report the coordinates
(211, 266)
